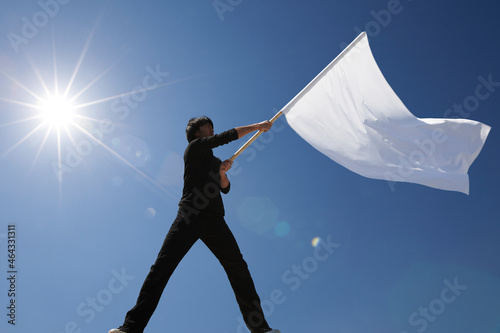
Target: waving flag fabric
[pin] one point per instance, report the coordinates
(351, 114)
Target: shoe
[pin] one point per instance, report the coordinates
(117, 330)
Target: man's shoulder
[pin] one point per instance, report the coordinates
(196, 149)
(193, 144)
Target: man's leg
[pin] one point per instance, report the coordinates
(180, 238)
(220, 240)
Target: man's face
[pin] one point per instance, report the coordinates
(204, 131)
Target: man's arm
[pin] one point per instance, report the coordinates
(224, 181)
(244, 130)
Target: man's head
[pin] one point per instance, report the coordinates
(199, 127)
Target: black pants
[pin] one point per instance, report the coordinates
(183, 233)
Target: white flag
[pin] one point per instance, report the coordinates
(351, 114)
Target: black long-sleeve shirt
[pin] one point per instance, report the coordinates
(201, 192)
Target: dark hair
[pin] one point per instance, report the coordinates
(194, 125)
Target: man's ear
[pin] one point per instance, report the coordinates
(197, 134)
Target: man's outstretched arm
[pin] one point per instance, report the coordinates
(262, 126)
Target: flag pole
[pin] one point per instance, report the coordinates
(255, 136)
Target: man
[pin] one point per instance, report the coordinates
(201, 216)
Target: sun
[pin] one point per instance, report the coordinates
(58, 114)
(57, 111)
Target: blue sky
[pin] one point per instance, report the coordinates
(401, 258)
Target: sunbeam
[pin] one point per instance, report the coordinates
(24, 138)
(20, 85)
(42, 143)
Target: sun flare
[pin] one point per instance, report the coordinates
(57, 111)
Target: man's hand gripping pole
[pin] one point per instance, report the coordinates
(255, 136)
